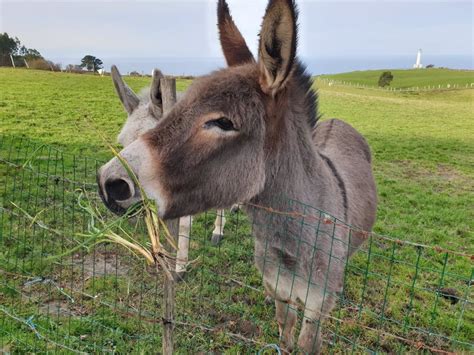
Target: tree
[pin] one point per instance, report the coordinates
(29, 54)
(8, 45)
(430, 66)
(11, 46)
(385, 79)
(91, 63)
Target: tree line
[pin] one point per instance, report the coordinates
(12, 49)
(14, 53)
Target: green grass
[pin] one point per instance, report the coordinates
(408, 78)
(423, 155)
(53, 107)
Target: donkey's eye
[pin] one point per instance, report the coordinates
(223, 123)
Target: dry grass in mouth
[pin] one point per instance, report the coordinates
(102, 230)
(154, 251)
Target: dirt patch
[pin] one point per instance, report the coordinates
(56, 307)
(101, 263)
(235, 324)
(246, 328)
(61, 308)
(441, 173)
(51, 299)
(59, 295)
(449, 174)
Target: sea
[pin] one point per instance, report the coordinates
(315, 66)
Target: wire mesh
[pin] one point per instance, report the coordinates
(59, 292)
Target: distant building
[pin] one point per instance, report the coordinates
(418, 64)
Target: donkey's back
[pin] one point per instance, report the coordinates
(348, 154)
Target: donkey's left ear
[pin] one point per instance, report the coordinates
(155, 89)
(130, 101)
(277, 48)
(233, 44)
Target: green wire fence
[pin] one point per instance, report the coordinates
(62, 292)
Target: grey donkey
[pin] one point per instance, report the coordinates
(144, 112)
(251, 133)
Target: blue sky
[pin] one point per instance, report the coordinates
(183, 29)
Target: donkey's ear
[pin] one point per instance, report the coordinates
(277, 48)
(129, 100)
(155, 89)
(235, 49)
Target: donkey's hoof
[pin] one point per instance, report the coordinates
(216, 238)
(179, 276)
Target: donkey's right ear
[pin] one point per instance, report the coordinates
(155, 89)
(233, 44)
(129, 100)
(277, 48)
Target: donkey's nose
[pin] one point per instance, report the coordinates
(118, 189)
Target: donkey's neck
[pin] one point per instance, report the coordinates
(295, 170)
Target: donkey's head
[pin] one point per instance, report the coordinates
(144, 111)
(215, 146)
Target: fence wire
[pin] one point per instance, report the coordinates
(61, 293)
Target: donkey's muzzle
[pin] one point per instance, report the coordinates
(119, 178)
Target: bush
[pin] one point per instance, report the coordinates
(73, 68)
(39, 64)
(430, 66)
(135, 73)
(5, 61)
(385, 79)
(185, 77)
(42, 64)
(55, 66)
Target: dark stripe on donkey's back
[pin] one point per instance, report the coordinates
(340, 182)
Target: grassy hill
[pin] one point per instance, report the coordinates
(408, 78)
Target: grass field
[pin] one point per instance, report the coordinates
(423, 163)
(55, 107)
(408, 78)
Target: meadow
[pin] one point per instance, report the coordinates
(409, 78)
(423, 155)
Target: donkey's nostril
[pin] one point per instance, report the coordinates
(118, 189)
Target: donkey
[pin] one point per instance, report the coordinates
(144, 112)
(251, 133)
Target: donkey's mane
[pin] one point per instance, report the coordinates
(304, 81)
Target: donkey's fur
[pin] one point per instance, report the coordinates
(144, 111)
(250, 133)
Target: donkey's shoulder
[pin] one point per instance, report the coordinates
(335, 134)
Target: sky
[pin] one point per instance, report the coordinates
(331, 30)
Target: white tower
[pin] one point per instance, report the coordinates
(418, 64)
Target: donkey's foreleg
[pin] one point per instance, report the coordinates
(278, 285)
(316, 309)
(182, 257)
(286, 317)
(219, 224)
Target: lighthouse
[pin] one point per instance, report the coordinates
(418, 64)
